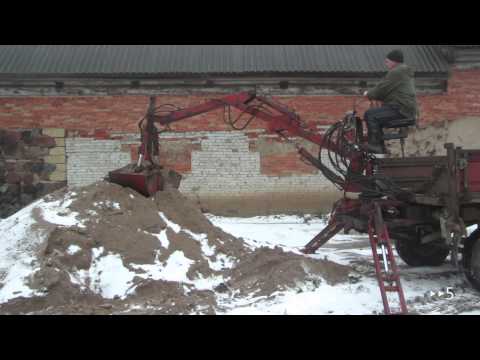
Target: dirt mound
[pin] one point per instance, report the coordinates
(169, 298)
(266, 271)
(127, 253)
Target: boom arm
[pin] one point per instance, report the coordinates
(256, 106)
(280, 120)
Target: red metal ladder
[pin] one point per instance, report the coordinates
(385, 266)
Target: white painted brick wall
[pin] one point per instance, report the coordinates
(224, 166)
(90, 160)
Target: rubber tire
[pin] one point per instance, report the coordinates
(420, 255)
(471, 259)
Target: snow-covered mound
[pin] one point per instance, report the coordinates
(104, 243)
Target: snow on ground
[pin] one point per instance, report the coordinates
(346, 299)
(290, 232)
(362, 296)
(476, 313)
(20, 239)
(73, 249)
(178, 265)
(57, 213)
(109, 277)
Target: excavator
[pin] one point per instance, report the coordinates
(421, 205)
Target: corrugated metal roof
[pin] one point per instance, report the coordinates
(177, 60)
(465, 46)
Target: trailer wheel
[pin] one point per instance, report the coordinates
(471, 259)
(416, 254)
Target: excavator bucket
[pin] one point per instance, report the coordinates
(147, 182)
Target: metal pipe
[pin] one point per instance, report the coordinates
(385, 263)
(140, 160)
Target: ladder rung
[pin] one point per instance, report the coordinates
(390, 278)
(392, 288)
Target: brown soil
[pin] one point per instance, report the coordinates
(125, 223)
(266, 271)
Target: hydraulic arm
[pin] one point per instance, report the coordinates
(146, 179)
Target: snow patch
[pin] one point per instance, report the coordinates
(162, 237)
(170, 224)
(107, 276)
(20, 240)
(107, 204)
(73, 249)
(291, 232)
(175, 269)
(221, 262)
(203, 240)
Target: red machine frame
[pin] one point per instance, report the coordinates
(368, 214)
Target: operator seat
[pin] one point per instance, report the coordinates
(401, 126)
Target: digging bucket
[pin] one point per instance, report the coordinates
(146, 182)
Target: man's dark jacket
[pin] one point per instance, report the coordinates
(398, 90)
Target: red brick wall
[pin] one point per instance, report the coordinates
(462, 99)
(122, 113)
(284, 165)
(98, 116)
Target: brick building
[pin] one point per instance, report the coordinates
(69, 113)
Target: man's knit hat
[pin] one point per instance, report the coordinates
(396, 55)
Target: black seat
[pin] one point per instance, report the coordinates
(402, 126)
(400, 123)
(401, 134)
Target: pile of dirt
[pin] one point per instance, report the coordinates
(266, 271)
(163, 254)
